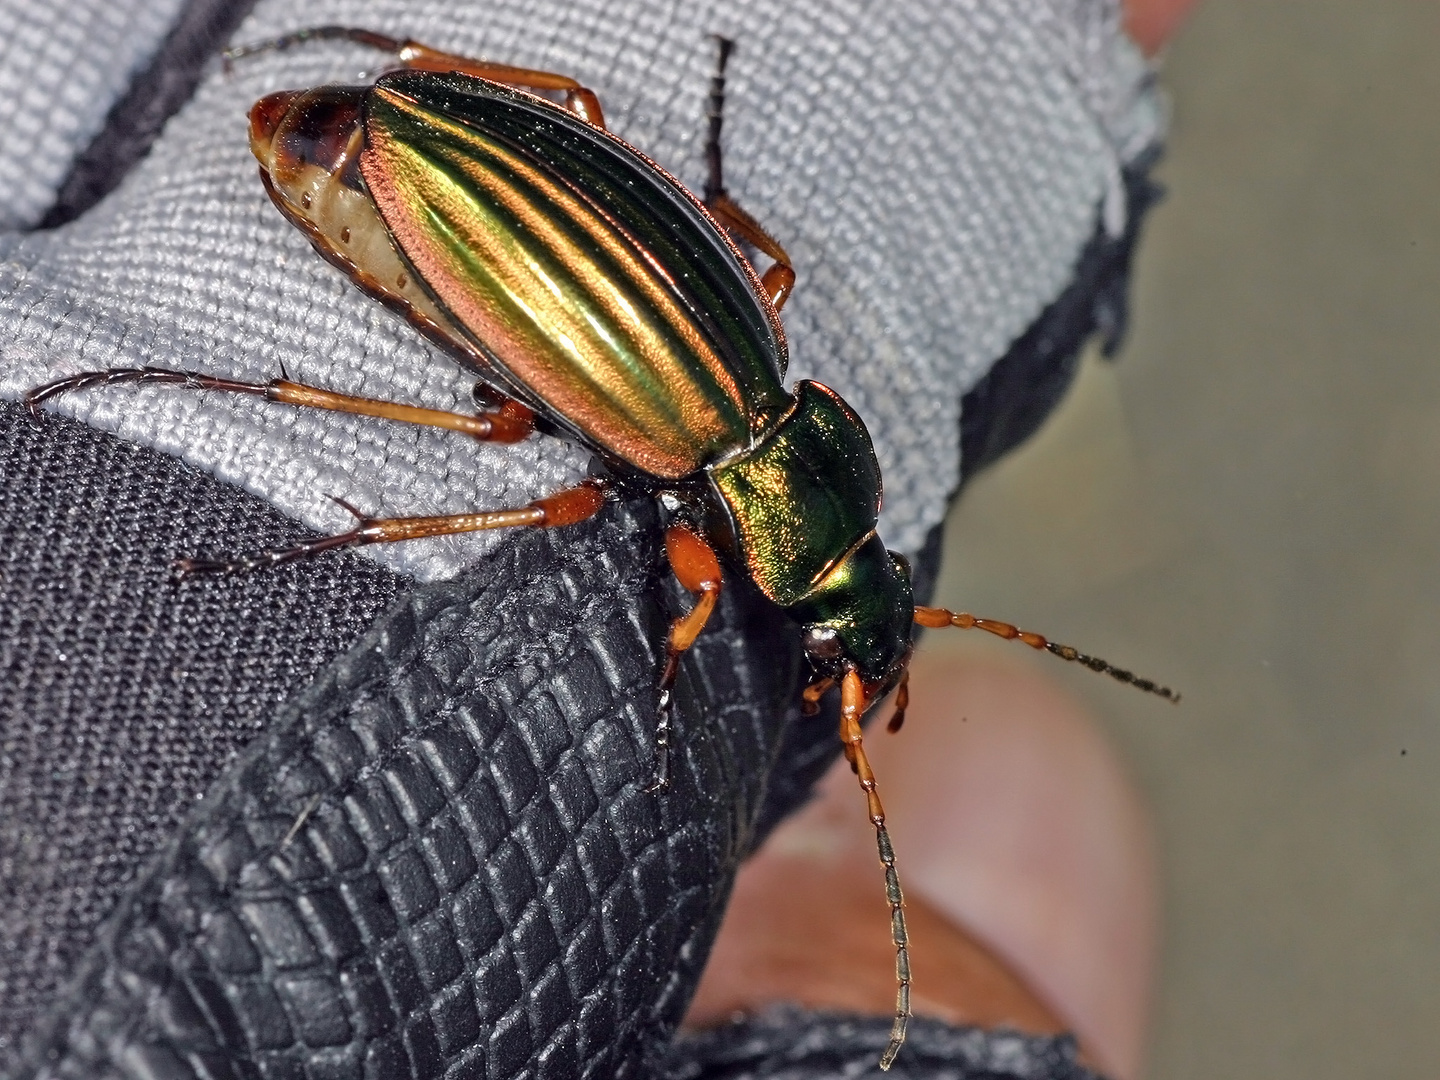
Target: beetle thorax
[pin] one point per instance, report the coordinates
(803, 507)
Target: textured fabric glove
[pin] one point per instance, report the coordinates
(382, 814)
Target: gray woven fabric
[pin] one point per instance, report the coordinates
(62, 66)
(934, 171)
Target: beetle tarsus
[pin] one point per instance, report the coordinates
(382, 42)
(511, 422)
(715, 119)
(660, 770)
(153, 376)
(695, 566)
(263, 560)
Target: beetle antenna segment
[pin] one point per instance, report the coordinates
(940, 617)
(695, 567)
(852, 708)
(568, 507)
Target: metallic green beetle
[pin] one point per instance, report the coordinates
(599, 300)
(581, 280)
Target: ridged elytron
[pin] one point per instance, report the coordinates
(599, 300)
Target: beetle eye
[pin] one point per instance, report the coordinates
(822, 643)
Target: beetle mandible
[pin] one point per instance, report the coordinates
(600, 301)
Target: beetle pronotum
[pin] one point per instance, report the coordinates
(599, 300)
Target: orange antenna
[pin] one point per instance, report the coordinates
(935, 618)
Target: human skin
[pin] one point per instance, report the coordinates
(1026, 854)
(1152, 23)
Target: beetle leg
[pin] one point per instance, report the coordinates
(575, 97)
(509, 423)
(578, 99)
(902, 702)
(852, 708)
(811, 695)
(779, 280)
(695, 567)
(939, 617)
(567, 507)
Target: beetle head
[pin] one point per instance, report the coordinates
(859, 617)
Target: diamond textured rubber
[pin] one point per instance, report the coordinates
(440, 858)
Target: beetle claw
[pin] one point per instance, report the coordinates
(354, 511)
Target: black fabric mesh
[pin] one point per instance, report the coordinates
(791, 1044)
(123, 692)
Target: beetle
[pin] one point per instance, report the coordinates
(597, 299)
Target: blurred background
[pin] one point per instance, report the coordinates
(1247, 506)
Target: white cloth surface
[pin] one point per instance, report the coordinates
(933, 169)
